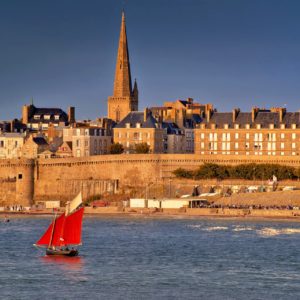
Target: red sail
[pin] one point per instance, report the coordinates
(72, 228)
(56, 233)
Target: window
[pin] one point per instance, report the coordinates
(247, 136)
(258, 126)
(20, 176)
(127, 125)
(282, 135)
(1, 144)
(236, 136)
(77, 143)
(247, 126)
(47, 117)
(236, 126)
(86, 143)
(136, 135)
(293, 136)
(293, 126)
(293, 145)
(271, 126)
(282, 145)
(56, 117)
(202, 136)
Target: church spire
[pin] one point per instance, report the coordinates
(122, 84)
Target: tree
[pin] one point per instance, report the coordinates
(142, 148)
(116, 148)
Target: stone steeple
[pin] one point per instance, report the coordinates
(122, 84)
(124, 99)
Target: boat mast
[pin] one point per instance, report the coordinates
(52, 233)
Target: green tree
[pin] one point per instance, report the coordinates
(116, 148)
(142, 148)
(182, 173)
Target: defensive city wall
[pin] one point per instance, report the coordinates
(25, 182)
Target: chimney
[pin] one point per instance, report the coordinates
(254, 113)
(235, 113)
(12, 125)
(146, 114)
(282, 112)
(190, 100)
(71, 114)
(25, 114)
(208, 115)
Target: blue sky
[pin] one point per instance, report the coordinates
(232, 53)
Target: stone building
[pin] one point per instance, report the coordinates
(273, 132)
(40, 119)
(137, 128)
(87, 140)
(174, 138)
(65, 150)
(34, 146)
(124, 99)
(11, 144)
(186, 114)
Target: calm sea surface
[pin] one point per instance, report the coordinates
(144, 258)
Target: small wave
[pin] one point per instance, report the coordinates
(242, 228)
(273, 231)
(216, 228)
(194, 226)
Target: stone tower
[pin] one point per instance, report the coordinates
(124, 99)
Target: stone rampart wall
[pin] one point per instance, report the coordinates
(59, 178)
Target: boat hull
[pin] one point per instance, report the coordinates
(58, 252)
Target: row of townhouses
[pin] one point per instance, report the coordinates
(181, 126)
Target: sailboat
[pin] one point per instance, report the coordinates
(64, 231)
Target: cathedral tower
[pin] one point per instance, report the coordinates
(124, 99)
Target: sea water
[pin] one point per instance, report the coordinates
(150, 258)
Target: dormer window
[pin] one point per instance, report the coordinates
(258, 126)
(138, 125)
(225, 126)
(282, 126)
(247, 126)
(271, 126)
(213, 126)
(47, 117)
(56, 117)
(293, 126)
(36, 117)
(237, 126)
(127, 125)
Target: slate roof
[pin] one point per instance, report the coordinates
(171, 128)
(135, 117)
(264, 118)
(63, 117)
(40, 141)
